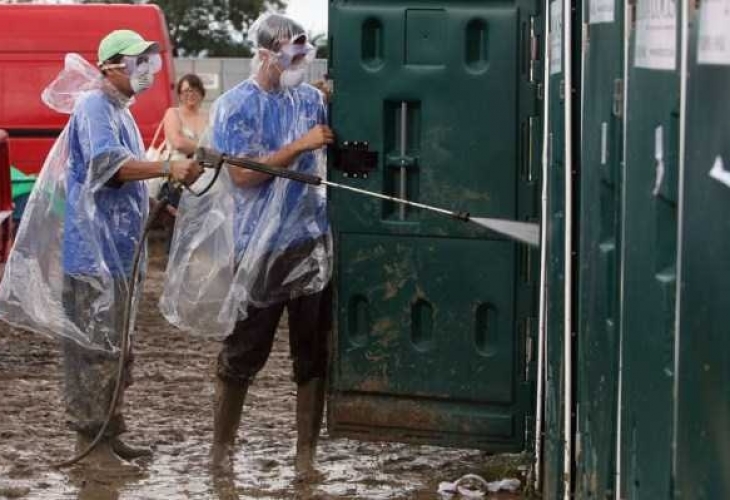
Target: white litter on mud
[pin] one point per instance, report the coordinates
(473, 486)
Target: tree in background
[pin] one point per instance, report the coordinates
(213, 28)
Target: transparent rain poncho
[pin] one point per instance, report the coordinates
(239, 247)
(68, 273)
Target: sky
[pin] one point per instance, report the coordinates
(311, 13)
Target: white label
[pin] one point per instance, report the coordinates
(556, 37)
(656, 34)
(659, 157)
(604, 143)
(659, 143)
(719, 173)
(714, 37)
(601, 11)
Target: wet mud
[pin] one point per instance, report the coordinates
(170, 408)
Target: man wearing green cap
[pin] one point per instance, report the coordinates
(106, 209)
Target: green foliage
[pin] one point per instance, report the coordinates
(214, 28)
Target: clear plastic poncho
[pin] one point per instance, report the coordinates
(240, 247)
(80, 228)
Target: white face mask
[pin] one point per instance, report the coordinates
(141, 82)
(142, 77)
(292, 77)
(140, 69)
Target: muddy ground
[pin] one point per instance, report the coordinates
(170, 408)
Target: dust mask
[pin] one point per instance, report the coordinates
(140, 69)
(293, 73)
(292, 77)
(141, 78)
(141, 82)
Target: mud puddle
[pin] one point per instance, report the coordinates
(170, 408)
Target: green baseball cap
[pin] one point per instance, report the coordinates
(126, 43)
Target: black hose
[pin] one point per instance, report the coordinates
(126, 333)
(210, 184)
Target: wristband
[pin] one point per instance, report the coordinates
(166, 168)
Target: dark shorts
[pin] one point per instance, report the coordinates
(89, 374)
(246, 350)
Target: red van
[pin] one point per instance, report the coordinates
(34, 40)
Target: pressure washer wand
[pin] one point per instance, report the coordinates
(524, 232)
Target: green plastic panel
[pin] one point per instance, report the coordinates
(600, 202)
(703, 428)
(435, 318)
(649, 268)
(552, 470)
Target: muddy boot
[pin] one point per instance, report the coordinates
(310, 405)
(102, 456)
(128, 452)
(229, 399)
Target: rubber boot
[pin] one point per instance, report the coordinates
(310, 406)
(102, 456)
(229, 398)
(128, 452)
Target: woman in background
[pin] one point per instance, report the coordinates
(185, 124)
(183, 127)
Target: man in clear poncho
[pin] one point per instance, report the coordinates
(69, 272)
(257, 245)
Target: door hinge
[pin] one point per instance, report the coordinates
(528, 154)
(550, 148)
(618, 97)
(529, 348)
(534, 49)
(529, 423)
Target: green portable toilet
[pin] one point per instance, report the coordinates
(600, 236)
(649, 246)
(703, 405)
(436, 102)
(552, 484)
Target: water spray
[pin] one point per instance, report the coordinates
(524, 232)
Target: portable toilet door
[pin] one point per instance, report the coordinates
(435, 320)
